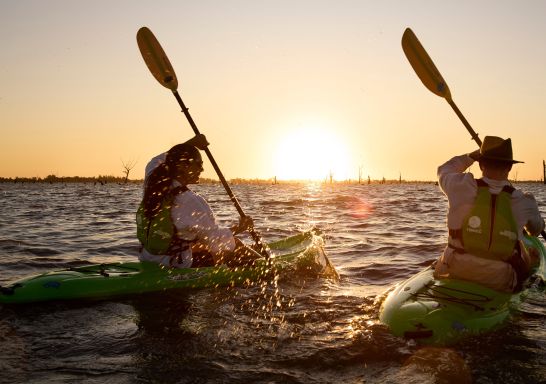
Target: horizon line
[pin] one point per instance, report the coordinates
(236, 180)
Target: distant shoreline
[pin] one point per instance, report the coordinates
(122, 180)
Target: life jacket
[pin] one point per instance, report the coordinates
(490, 230)
(159, 235)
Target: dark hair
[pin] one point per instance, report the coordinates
(495, 164)
(159, 182)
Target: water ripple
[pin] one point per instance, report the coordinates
(293, 330)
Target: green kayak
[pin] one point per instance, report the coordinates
(442, 312)
(302, 252)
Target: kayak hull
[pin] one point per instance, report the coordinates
(442, 312)
(303, 251)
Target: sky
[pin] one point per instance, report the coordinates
(287, 89)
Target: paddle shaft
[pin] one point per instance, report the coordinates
(474, 135)
(255, 236)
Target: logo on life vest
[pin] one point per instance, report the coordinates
(474, 224)
(511, 235)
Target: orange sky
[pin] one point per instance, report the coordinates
(293, 89)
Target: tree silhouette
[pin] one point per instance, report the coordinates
(360, 174)
(127, 166)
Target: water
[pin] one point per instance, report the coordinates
(320, 332)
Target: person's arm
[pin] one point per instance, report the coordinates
(451, 173)
(202, 226)
(535, 223)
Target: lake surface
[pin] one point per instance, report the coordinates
(316, 330)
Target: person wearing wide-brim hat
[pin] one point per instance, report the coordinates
(486, 219)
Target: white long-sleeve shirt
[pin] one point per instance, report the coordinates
(461, 189)
(194, 221)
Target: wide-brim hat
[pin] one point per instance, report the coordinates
(497, 149)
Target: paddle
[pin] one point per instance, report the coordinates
(432, 79)
(430, 76)
(159, 65)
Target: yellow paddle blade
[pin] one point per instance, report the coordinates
(423, 66)
(155, 58)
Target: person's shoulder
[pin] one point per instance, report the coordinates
(458, 181)
(192, 197)
(519, 194)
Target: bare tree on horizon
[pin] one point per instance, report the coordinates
(127, 166)
(360, 174)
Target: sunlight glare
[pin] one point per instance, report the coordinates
(312, 154)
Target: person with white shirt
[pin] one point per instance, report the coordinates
(486, 219)
(175, 226)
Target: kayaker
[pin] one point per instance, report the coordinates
(486, 220)
(176, 227)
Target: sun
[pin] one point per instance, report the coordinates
(312, 154)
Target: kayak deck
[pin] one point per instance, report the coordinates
(304, 251)
(442, 312)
